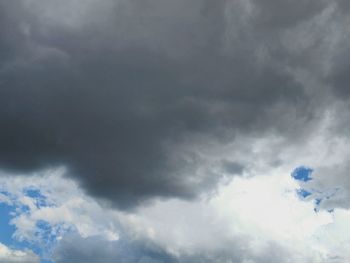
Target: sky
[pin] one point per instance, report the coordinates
(154, 131)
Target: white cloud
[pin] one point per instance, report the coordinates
(8, 255)
(66, 207)
(250, 213)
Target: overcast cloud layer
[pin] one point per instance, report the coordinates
(130, 96)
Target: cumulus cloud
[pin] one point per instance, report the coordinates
(8, 255)
(50, 204)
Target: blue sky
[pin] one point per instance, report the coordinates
(7, 228)
(37, 212)
(302, 174)
(45, 233)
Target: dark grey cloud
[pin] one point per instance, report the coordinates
(74, 248)
(338, 77)
(283, 14)
(232, 167)
(112, 95)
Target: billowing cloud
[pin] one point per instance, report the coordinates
(131, 96)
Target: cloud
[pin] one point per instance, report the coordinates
(204, 108)
(258, 219)
(251, 219)
(76, 249)
(128, 95)
(48, 206)
(8, 255)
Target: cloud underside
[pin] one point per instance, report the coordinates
(137, 98)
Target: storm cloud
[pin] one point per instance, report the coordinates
(76, 249)
(125, 93)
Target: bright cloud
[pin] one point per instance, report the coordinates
(265, 213)
(8, 255)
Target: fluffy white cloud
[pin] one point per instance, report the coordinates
(8, 255)
(58, 202)
(247, 215)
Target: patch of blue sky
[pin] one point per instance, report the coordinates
(6, 229)
(12, 201)
(302, 193)
(318, 201)
(317, 204)
(39, 198)
(302, 173)
(46, 235)
(46, 238)
(37, 250)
